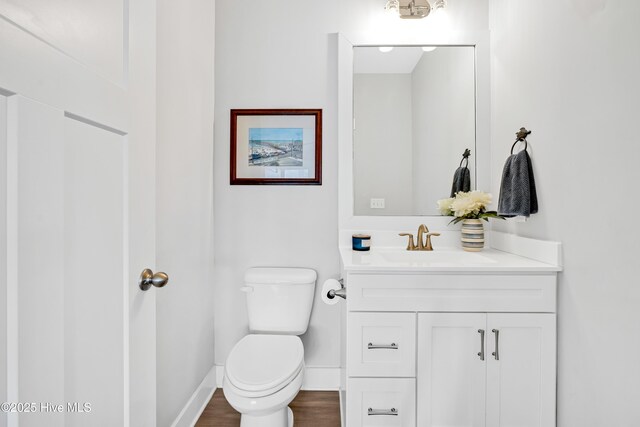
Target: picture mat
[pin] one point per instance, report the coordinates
(308, 125)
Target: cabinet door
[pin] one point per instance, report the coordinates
(521, 372)
(451, 372)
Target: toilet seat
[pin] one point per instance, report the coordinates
(261, 365)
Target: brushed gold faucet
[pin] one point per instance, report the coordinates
(423, 231)
(411, 246)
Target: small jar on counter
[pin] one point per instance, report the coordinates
(361, 242)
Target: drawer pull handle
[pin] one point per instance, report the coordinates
(392, 411)
(496, 353)
(481, 353)
(392, 346)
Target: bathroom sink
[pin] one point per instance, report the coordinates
(433, 258)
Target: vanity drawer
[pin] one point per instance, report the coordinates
(381, 344)
(389, 402)
(452, 292)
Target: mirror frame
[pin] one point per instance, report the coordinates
(346, 218)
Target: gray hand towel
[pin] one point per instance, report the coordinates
(461, 180)
(518, 189)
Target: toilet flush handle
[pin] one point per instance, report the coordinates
(247, 289)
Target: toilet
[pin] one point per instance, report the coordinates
(264, 370)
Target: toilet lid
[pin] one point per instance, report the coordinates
(263, 364)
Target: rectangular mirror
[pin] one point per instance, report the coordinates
(414, 114)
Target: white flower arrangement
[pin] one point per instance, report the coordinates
(468, 205)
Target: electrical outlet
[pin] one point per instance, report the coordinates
(377, 203)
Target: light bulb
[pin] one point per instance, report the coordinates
(392, 7)
(439, 4)
(385, 49)
(429, 48)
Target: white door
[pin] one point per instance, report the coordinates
(77, 137)
(451, 369)
(521, 373)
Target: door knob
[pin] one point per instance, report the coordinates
(147, 278)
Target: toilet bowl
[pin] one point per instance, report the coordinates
(264, 370)
(263, 374)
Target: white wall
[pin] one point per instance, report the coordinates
(569, 71)
(3, 254)
(185, 336)
(444, 123)
(382, 165)
(275, 55)
(281, 54)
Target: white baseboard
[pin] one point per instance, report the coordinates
(198, 401)
(317, 379)
(343, 406)
(321, 379)
(219, 375)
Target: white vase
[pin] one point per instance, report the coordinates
(472, 235)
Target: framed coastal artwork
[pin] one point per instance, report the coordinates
(276, 147)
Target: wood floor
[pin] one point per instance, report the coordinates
(310, 409)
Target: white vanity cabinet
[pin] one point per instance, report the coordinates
(478, 369)
(450, 349)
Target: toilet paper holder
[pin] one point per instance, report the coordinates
(342, 292)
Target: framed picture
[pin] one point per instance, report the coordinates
(276, 147)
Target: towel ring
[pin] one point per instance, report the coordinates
(514, 144)
(465, 156)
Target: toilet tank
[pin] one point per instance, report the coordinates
(279, 300)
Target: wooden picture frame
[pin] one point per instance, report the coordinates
(276, 147)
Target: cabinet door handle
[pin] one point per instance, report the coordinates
(481, 353)
(392, 411)
(392, 346)
(496, 353)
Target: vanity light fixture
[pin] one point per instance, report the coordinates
(414, 9)
(385, 49)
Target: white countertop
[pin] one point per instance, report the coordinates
(393, 259)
